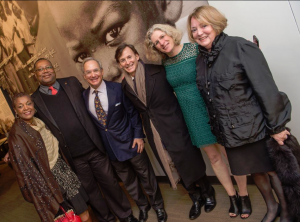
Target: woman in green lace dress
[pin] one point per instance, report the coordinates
(163, 42)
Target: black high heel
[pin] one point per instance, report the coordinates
(277, 214)
(234, 205)
(245, 206)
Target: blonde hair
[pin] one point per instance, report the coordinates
(154, 54)
(207, 15)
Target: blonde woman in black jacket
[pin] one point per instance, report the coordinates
(244, 104)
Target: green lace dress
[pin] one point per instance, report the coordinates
(181, 74)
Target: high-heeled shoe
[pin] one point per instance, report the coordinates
(245, 206)
(234, 205)
(277, 214)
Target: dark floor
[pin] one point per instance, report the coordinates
(13, 208)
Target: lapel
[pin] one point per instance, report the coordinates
(86, 96)
(150, 71)
(111, 96)
(39, 102)
(64, 83)
(126, 87)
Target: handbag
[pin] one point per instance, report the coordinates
(68, 216)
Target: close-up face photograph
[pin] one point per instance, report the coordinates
(97, 28)
(145, 111)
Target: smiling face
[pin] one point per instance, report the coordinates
(24, 107)
(45, 73)
(203, 34)
(93, 74)
(96, 28)
(129, 61)
(163, 42)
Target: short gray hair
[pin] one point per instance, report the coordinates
(90, 59)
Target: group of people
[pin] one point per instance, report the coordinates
(216, 94)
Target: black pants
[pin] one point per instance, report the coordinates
(135, 170)
(92, 169)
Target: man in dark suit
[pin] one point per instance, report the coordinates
(122, 134)
(148, 89)
(59, 103)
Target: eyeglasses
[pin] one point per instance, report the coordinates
(47, 68)
(89, 72)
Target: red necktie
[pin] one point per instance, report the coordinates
(53, 91)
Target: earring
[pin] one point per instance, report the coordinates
(35, 111)
(16, 116)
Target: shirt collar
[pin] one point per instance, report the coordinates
(45, 89)
(101, 88)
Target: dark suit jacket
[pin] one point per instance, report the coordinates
(164, 111)
(73, 89)
(123, 122)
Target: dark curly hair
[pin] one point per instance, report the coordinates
(19, 95)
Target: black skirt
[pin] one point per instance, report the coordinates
(250, 158)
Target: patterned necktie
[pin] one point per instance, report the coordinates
(53, 91)
(101, 115)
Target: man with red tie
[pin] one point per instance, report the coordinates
(59, 103)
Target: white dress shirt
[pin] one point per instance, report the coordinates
(102, 94)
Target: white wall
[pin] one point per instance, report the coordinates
(274, 24)
(295, 6)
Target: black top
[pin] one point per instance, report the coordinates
(65, 117)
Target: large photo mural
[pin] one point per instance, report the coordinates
(66, 32)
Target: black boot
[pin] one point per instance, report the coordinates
(209, 200)
(143, 217)
(130, 218)
(162, 216)
(208, 194)
(197, 204)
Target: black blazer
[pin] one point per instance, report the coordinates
(164, 111)
(123, 122)
(73, 89)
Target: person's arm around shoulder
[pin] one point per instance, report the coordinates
(77, 83)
